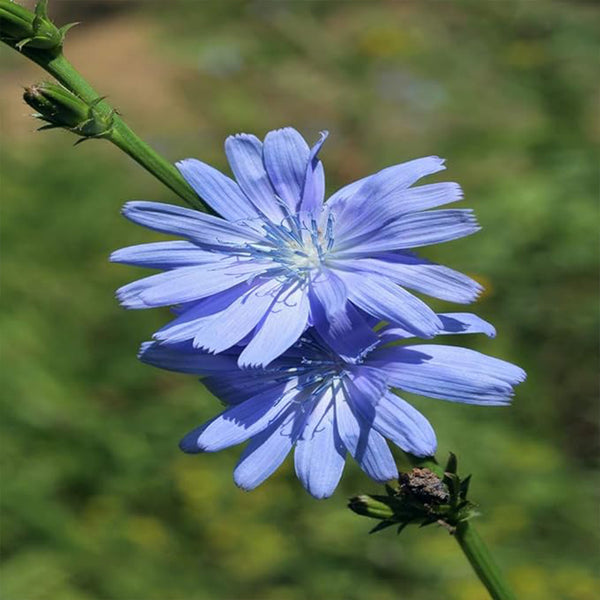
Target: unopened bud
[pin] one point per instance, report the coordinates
(20, 27)
(367, 506)
(61, 108)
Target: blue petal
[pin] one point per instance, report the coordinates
(313, 192)
(222, 320)
(399, 422)
(346, 332)
(420, 275)
(190, 319)
(381, 298)
(328, 290)
(359, 218)
(189, 442)
(319, 456)
(186, 284)
(389, 180)
(197, 363)
(165, 255)
(230, 325)
(244, 420)
(238, 386)
(412, 231)
(245, 155)
(449, 373)
(196, 226)
(220, 192)
(268, 450)
(423, 197)
(368, 203)
(452, 324)
(281, 327)
(286, 156)
(365, 444)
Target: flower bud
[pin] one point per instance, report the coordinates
(61, 108)
(367, 506)
(20, 27)
(421, 498)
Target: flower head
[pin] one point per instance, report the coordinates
(324, 405)
(280, 259)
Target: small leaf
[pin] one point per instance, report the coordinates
(382, 525)
(63, 30)
(401, 527)
(452, 482)
(464, 486)
(452, 463)
(429, 521)
(46, 127)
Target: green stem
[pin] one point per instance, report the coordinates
(482, 562)
(472, 545)
(55, 63)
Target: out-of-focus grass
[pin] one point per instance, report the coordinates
(98, 503)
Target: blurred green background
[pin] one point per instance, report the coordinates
(97, 500)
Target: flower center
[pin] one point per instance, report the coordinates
(306, 255)
(298, 245)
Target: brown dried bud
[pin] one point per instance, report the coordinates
(425, 486)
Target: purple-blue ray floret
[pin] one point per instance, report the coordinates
(279, 259)
(324, 404)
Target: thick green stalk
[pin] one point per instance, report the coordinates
(55, 63)
(472, 545)
(482, 562)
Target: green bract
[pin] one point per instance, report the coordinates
(422, 498)
(20, 27)
(61, 108)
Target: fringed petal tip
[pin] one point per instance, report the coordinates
(185, 163)
(116, 256)
(136, 205)
(323, 135)
(143, 350)
(189, 443)
(250, 365)
(129, 299)
(520, 375)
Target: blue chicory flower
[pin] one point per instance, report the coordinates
(314, 400)
(281, 260)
